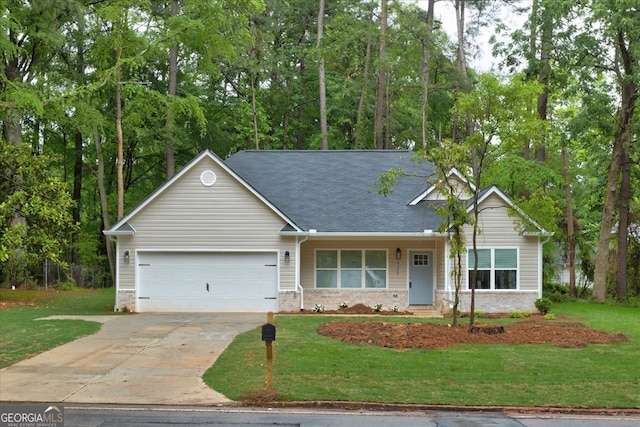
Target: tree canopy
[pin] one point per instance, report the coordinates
(101, 101)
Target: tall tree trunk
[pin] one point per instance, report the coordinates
(379, 118)
(571, 238)
(119, 136)
(461, 62)
(363, 87)
(253, 57)
(12, 127)
(171, 91)
(425, 70)
(461, 59)
(78, 167)
(77, 197)
(14, 72)
(533, 41)
(104, 204)
(388, 145)
(287, 114)
(254, 110)
(606, 222)
(454, 123)
(321, 77)
(543, 76)
(623, 136)
(623, 226)
(300, 133)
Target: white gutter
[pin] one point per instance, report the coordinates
(116, 283)
(298, 285)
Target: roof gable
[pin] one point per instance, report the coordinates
(492, 191)
(455, 179)
(123, 228)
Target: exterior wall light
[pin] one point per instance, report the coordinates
(287, 257)
(398, 254)
(126, 256)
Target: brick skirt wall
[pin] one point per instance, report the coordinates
(332, 298)
(126, 300)
(289, 301)
(491, 301)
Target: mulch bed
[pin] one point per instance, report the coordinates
(534, 330)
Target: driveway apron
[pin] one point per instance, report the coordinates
(134, 359)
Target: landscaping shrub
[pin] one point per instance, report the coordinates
(519, 314)
(543, 305)
(557, 293)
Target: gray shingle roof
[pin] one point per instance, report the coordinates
(332, 191)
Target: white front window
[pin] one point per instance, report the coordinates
(497, 268)
(351, 268)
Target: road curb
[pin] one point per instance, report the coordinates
(410, 407)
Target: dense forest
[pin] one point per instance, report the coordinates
(103, 100)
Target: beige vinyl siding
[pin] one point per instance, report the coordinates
(440, 257)
(223, 217)
(460, 189)
(498, 230)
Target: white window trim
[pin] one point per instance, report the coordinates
(493, 268)
(363, 269)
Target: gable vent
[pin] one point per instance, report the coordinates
(208, 178)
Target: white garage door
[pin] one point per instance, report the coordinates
(207, 282)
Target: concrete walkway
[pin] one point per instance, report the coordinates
(133, 359)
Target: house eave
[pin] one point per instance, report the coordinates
(118, 233)
(330, 235)
(125, 229)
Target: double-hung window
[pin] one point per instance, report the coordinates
(351, 268)
(497, 268)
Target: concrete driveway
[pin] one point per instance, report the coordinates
(133, 359)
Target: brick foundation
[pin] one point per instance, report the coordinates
(332, 298)
(126, 300)
(288, 301)
(491, 301)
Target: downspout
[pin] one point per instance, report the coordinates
(298, 285)
(540, 278)
(116, 307)
(447, 273)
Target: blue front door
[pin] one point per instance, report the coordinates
(420, 277)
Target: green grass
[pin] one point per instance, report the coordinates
(21, 336)
(312, 367)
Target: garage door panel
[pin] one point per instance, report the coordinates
(207, 282)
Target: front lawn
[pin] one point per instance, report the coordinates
(21, 336)
(308, 366)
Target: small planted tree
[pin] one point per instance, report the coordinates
(453, 211)
(501, 114)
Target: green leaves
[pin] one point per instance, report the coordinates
(35, 214)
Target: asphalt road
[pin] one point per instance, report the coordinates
(144, 416)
